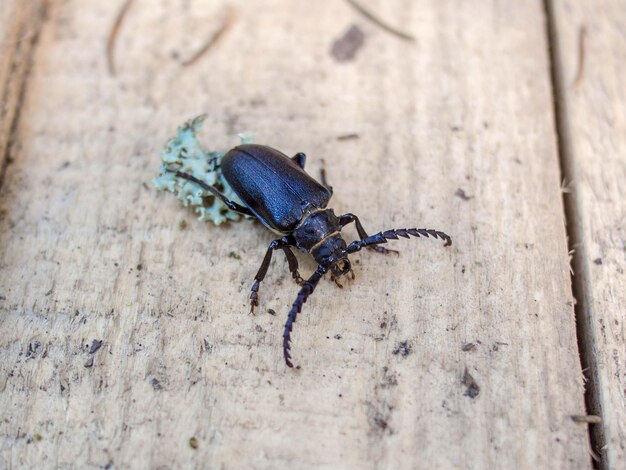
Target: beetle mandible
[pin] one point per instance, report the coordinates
(277, 191)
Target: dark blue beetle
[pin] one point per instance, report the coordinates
(276, 190)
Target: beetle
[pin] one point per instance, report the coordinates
(277, 191)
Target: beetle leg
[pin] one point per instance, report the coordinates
(348, 218)
(260, 275)
(299, 159)
(382, 237)
(232, 205)
(323, 178)
(293, 265)
(336, 281)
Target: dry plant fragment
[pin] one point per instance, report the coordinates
(213, 40)
(380, 23)
(113, 36)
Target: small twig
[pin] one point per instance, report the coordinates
(588, 419)
(566, 187)
(374, 19)
(582, 43)
(113, 36)
(228, 22)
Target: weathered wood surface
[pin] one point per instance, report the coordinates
(21, 24)
(90, 251)
(592, 68)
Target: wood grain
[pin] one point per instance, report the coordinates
(592, 66)
(23, 21)
(438, 358)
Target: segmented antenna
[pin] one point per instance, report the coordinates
(306, 290)
(382, 237)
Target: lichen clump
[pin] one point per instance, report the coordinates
(183, 153)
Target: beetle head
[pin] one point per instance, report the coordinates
(331, 252)
(319, 235)
(341, 267)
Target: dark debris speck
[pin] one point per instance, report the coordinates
(473, 389)
(389, 379)
(33, 350)
(380, 422)
(403, 349)
(460, 193)
(156, 384)
(345, 48)
(347, 137)
(95, 345)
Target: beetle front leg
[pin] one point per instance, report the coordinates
(293, 265)
(349, 218)
(323, 178)
(260, 275)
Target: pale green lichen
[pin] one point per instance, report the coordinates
(184, 153)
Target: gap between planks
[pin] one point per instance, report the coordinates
(579, 268)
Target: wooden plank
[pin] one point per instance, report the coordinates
(17, 41)
(591, 64)
(460, 357)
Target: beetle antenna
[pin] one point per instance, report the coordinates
(382, 237)
(193, 179)
(306, 290)
(232, 205)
